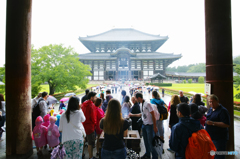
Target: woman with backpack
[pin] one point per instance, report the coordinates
(115, 128)
(158, 101)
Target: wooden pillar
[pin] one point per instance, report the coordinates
(18, 79)
(219, 68)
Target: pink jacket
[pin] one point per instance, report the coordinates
(100, 115)
(202, 120)
(46, 120)
(39, 133)
(53, 133)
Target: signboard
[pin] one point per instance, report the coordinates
(208, 88)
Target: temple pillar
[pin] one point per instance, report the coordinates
(219, 67)
(18, 79)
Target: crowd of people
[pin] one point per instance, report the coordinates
(83, 122)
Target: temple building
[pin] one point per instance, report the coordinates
(126, 54)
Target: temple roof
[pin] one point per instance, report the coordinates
(158, 75)
(139, 56)
(123, 34)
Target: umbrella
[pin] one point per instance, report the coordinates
(1, 83)
(51, 100)
(69, 94)
(64, 99)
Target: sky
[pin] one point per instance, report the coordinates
(63, 21)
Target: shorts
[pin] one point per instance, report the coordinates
(91, 139)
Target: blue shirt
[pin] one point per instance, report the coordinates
(219, 115)
(158, 101)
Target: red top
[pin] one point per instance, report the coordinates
(89, 111)
(100, 115)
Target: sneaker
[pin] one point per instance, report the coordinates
(162, 151)
(145, 157)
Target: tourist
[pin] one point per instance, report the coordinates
(163, 92)
(108, 97)
(62, 105)
(173, 119)
(89, 111)
(218, 121)
(53, 134)
(43, 104)
(157, 100)
(100, 115)
(197, 100)
(123, 93)
(3, 110)
(183, 99)
(183, 130)
(115, 128)
(102, 96)
(135, 110)
(72, 129)
(84, 98)
(148, 127)
(195, 114)
(40, 135)
(46, 122)
(126, 107)
(35, 100)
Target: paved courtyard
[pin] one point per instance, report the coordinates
(166, 155)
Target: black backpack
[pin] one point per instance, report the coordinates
(163, 111)
(36, 110)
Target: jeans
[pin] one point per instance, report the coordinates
(160, 127)
(116, 154)
(2, 123)
(220, 146)
(148, 134)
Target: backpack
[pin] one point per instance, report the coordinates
(163, 111)
(36, 110)
(199, 146)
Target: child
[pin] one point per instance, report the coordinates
(53, 134)
(61, 105)
(46, 120)
(39, 134)
(100, 115)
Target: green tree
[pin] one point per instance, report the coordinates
(236, 61)
(200, 79)
(201, 67)
(60, 67)
(189, 80)
(184, 81)
(237, 80)
(2, 79)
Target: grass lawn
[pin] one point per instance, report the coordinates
(198, 88)
(236, 112)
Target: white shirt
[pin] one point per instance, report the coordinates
(74, 129)
(146, 115)
(3, 110)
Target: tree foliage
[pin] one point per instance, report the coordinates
(237, 80)
(236, 61)
(60, 67)
(2, 79)
(189, 80)
(200, 79)
(200, 67)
